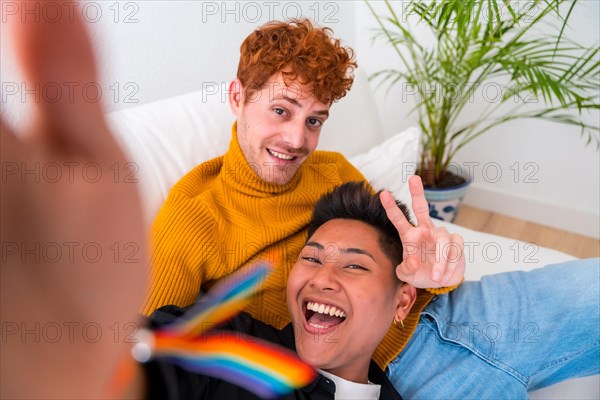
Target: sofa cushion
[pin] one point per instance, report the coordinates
(390, 164)
(168, 138)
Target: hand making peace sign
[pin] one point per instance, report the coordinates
(433, 257)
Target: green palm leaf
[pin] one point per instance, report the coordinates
(489, 41)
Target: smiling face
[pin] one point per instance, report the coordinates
(343, 274)
(278, 127)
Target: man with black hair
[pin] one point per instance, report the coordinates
(345, 270)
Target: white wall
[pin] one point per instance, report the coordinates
(533, 170)
(150, 50)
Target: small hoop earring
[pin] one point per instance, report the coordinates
(401, 323)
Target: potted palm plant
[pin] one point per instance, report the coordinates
(472, 42)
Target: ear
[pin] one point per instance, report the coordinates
(235, 96)
(406, 296)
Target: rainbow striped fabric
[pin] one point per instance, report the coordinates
(263, 368)
(224, 300)
(258, 366)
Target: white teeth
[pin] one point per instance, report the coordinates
(325, 309)
(280, 155)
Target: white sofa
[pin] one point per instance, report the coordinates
(166, 139)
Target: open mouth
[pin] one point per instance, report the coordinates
(281, 156)
(323, 316)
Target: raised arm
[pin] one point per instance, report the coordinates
(69, 296)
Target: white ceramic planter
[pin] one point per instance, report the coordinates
(444, 203)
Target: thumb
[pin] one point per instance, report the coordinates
(406, 270)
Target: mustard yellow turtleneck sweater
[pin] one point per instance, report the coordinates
(221, 215)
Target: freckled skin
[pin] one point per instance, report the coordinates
(280, 118)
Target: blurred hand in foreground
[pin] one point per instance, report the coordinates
(73, 247)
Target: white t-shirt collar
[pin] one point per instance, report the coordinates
(348, 390)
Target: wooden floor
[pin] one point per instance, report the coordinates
(489, 222)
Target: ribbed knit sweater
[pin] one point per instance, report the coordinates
(221, 215)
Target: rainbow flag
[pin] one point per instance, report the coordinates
(261, 367)
(224, 300)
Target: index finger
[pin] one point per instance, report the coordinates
(419, 202)
(394, 213)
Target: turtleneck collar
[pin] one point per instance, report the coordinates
(237, 173)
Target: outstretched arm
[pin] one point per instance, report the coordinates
(433, 257)
(70, 295)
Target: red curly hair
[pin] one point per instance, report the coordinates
(301, 52)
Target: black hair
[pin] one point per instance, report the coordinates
(355, 200)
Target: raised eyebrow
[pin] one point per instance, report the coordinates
(354, 250)
(292, 101)
(296, 103)
(316, 245)
(349, 250)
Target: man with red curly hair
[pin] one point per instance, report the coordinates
(307, 70)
